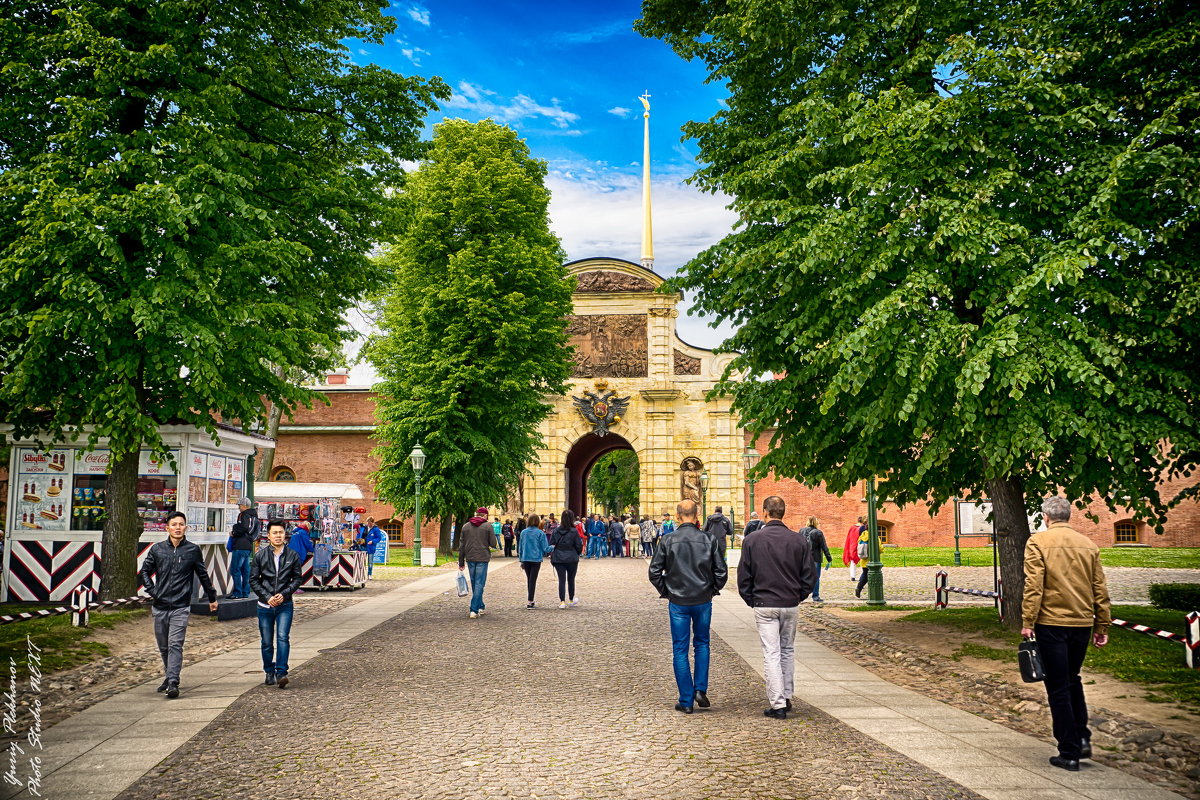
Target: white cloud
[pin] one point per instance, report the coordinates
(479, 102)
(414, 54)
(419, 14)
(363, 52)
(620, 111)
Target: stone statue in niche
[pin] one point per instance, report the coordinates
(609, 345)
(685, 364)
(603, 282)
(689, 482)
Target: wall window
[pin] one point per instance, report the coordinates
(1126, 532)
(885, 531)
(283, 474)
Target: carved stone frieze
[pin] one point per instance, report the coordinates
(603, 282)
(664, 312)
(685, 364)
(609, 345)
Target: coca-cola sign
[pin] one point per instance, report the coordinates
(93, 463)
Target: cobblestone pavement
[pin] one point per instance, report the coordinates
(546, 703)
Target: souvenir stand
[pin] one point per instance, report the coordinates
(333, 565)
(56, 506)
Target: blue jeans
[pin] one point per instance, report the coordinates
(604, 546)
(370, 563)
(478, 572)
(274, 629)
(816, 592)
(239, 570)
(690, 622)
(593, 547)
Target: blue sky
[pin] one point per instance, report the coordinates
(566, 76)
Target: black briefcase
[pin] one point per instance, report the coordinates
(1029, 659)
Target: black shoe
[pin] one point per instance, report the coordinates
(283, 681)
(787, 707)
(1069, 764)
(683, 708)
(776, 713)
(270, 681)
(702, 699)
(162, 687)
(1085, 749)
(172, 690)
(858, 593)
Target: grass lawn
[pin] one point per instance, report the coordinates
(1164, 557)
(62, 645)
(403, 557)
(1153, 664)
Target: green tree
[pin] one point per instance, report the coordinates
(614, 481)
(473, 330)
(966, 243)
(188, 191)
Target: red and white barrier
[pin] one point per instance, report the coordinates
(941, 592)
(1190, 638)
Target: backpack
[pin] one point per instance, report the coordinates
(864, 549)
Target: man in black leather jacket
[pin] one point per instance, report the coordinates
(166, 574)
(274, 578)
(688, 569)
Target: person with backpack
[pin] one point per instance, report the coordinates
(850, 548)
(507, 531)
(816, 541)
(754, 524)
(864, 552)
(719, 527)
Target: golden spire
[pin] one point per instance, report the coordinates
(647, 232)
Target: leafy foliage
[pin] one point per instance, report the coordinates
(188, 191)
(473, 329)
(966, 242)
(616, 492)
(1181, 596)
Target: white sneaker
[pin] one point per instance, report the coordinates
(562, 604)
(481, 612)
(574, 601)
(473, 615)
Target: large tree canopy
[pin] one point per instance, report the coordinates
(473, 330)
(966, 242)
(187, 193)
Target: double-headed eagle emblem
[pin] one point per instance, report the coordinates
(601, 408)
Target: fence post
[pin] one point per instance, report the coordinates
(940, 596)
(1191, 640)
(1000, 598)
(80, 599)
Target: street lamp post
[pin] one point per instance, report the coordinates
(874, 564)
(417, 456)
(704, 495)
(752, 457)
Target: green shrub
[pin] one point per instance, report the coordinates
(1179, 596)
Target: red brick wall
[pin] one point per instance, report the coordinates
(346, 408)
(913, 526)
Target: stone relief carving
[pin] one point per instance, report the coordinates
(663, 312)
(689, 480)
(609, 345)
(596, 282)
(685, 364)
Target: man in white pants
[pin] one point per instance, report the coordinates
(775, 575)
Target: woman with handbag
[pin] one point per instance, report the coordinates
(566, 546)
(532, 547)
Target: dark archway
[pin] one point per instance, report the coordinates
(579, 463)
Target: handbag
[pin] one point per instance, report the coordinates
(460, 583)
(1029, 659)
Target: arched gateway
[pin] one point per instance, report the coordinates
(636, 386)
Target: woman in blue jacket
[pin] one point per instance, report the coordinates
(531, 549)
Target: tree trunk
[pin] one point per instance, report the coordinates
(267, 456)
(122, 529)
(444, 536)
(1012, 531)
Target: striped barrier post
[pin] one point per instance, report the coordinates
(941, 598)
(51, 612)
(941, 593)
(1193, 640)
(79, 606)
(1190, 639)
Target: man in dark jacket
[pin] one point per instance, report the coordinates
(166, 573)
(774, 575)
(688, 569)
(816, 542)
(719, 527)
(245, 533)
(275, 577)
(475, 545)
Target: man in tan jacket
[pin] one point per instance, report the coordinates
(1065, 604)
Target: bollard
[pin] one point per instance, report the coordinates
(80, 599)
(941, 598)
(1191, 641)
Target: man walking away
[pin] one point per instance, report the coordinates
(719, 528)
(816, 541)
(476, 541)
(754, 524)
(275, 577)
(775, 574)
(1065, 604)
(245, 533)
(166, 574)
(688, 569)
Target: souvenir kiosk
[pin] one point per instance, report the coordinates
(55, 519)
(334, 565)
